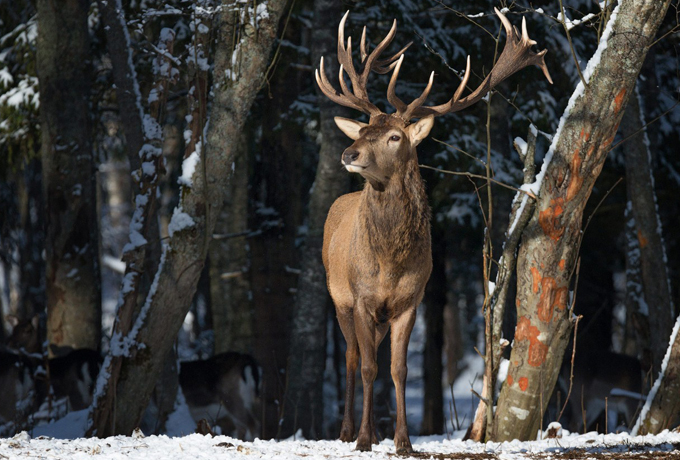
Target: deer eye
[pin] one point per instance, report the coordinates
(395, 138)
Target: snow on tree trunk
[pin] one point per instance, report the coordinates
(72, 239)
(644, 212)
(205, 172)
(307, 357)
(548, 253)
(662, 408)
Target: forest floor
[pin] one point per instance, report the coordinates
(196, 446)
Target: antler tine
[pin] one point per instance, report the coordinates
(463, 83)
(413, 106)
(357, 97)
(345, 57)
(384, 66)
(363, 104)
(370, 60)
(516, 55)
(391, 94)
(347, 99)
(362, 47)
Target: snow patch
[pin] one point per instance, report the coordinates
(521, 414)
(189, 167)
(180, 221)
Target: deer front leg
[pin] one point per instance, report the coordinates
(380, 332)
(365, 330)
(401, 332)
(346, 321)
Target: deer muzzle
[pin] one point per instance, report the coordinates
(349, 156)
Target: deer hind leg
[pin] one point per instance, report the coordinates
(346, 321)
(366, 335)
(401, 332)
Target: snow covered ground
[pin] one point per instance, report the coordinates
(196, 446)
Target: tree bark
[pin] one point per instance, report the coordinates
(307, 358)
(194, 219)
(229, 264)
(663, 402)
(72, 236)
(435, 300)
(644, 212)
(550, 242)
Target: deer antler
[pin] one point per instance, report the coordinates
(516, 55)
(358, 97)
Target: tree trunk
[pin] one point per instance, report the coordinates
(637, 318)
(435, 299)
(644, 212)
(274, 256)
(307, 358)
(194, 219)
(33, 243)
(663, 402)
(550, 242)
(232, 307)
(72, 238)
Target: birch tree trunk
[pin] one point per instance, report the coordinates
(550, 242)
(73, 291)
(644, 212)
(307, 358)
(145, 347)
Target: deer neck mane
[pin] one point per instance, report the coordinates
(396, 218)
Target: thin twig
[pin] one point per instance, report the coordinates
(478, 176)
(465, 16)
(461, 151)
(571, 45)
(275, 59)
(571, 375)
(644, 127)
(580, 240)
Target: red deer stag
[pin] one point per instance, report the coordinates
(376, 247)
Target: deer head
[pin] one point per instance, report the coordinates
(380, 147)
(390, 139)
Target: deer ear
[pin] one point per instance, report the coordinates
(419, 130)
(350, 127)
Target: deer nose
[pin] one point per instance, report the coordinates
(350, 155)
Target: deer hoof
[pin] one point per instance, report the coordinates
(363, 446)
(346, 435)
(404, 450)
(403, 447)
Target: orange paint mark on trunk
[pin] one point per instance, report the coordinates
(548, 219)
(562, 264)
(641, 239)
(537, 349)
(576, 180)
(610, 139)
(551, 297)
(523, 383)
(618, 101)
(536, 278)
(509, 380)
